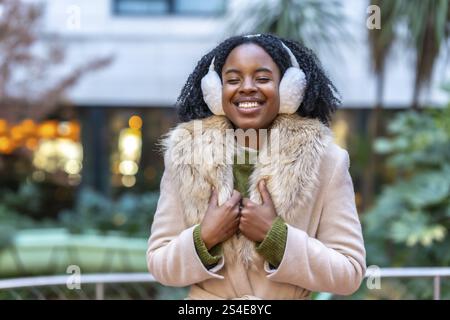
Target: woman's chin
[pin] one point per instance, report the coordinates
(246, 124)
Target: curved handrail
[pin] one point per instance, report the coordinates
(101, 279)
(84, 279)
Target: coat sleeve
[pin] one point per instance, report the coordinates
(171, 255)
(335, 260)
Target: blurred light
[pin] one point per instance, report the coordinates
(28, 127)
(69, 149)
(74, 128)
(6, 145)
(47, 147)
(3, 126)
(64, 128)
(17, 134)
(31, 143)
(59, 154)
(127, 159)
(128, 167)
(39, 162)
(340, 129)
(72, 167)
(115, 167)
(130, 143)
(51, 166)
(128, 181)
(48, 129)
(135, 122)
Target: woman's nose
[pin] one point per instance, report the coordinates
(248, 85)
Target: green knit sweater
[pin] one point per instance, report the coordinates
(273, 245)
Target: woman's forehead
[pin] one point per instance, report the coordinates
(248, 55)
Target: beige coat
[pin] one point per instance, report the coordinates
(310, 185)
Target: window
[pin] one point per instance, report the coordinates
(168, 7)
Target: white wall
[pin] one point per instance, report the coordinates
(154, 56)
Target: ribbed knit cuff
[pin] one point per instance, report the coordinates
(209, 258)
(273, 245)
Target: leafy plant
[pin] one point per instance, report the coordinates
(131, 214)
(408, 226)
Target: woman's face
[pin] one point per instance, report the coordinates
(250, 96)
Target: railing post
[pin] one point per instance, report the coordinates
(437, 288)
(99, 291)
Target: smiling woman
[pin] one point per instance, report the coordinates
(279, 227)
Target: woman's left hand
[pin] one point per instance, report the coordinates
(256, 220)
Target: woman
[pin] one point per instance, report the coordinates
(280, 226)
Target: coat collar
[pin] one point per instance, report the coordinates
(200, 155)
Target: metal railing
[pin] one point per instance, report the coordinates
(100, 280)
(435, 273)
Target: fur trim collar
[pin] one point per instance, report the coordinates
(291, 169)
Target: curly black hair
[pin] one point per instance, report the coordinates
(320, 101)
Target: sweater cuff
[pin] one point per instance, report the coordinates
(208, 258)
(273, 246)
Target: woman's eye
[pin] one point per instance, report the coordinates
(263, 80)
(233, 81)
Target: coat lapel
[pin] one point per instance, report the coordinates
(200, 155)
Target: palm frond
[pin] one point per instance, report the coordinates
(316, 23)
(427, 24)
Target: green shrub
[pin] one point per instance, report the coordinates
(408, 225)
(130, 215)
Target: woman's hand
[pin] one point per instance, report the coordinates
(220, 222)
(256, 220)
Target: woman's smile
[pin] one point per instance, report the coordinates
(249, 106)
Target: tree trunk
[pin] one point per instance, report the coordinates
(371, 170)
(416, 94)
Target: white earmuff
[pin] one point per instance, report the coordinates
(292, 88)
(212, 90)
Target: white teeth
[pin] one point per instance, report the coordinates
(252, 104)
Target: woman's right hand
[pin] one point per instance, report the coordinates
(220, 222)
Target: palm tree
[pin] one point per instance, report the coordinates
(316, 23)
(427, 25)
(380, 44)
